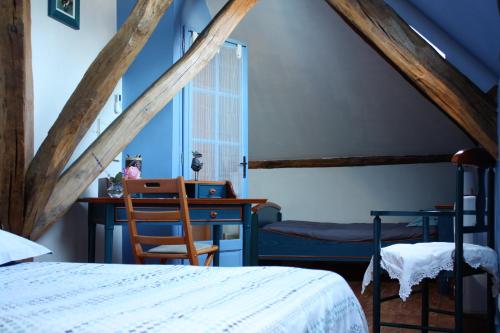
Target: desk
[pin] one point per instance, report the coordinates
(215, 212)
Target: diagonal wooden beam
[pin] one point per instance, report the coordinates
(85, 103)
(126, 126)
(16, 109)
(420, 64)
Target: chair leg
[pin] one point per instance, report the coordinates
(137, 251)
(210, 257)
(139, 260)
(491, 306)
(376, 307)
(193, 260)
(458, 303)
(376, 276)
(425, 305)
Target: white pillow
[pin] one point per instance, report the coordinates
(13, 247)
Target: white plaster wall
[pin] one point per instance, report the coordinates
(349, 194)
(61, 55)
(316, 89)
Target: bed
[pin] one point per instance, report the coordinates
(325, 241)
(73, 297)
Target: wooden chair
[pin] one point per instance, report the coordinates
(485, 165)
(168, 247)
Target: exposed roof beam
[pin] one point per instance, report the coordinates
(16, 109)
(129, 123)
(419, 63)
(84, 105)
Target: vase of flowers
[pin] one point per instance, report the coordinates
(132, 172)
(133, 167)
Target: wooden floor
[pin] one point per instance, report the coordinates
(407, 312)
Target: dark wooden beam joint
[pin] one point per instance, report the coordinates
(350, 161)
(492, 94)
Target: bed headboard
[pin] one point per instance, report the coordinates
(266, 213)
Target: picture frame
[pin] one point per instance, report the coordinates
(66, 11)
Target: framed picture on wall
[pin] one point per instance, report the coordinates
(66, 11)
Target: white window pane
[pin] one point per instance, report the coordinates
(206, 78)
(229, 165)
(203, 115)
(229, 119)
(230, 70)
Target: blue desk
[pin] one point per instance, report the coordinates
(215, 212)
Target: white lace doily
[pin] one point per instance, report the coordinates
(411, 263)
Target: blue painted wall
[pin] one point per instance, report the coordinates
(195, 14)
(154, 142)
(160, 142)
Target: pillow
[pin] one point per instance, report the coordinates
(13, 247)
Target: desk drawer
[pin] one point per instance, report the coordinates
(219, 214)
(121, 212)
(211, 191)
(196, 214)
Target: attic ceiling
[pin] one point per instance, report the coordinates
(316, 89)
(473, 24)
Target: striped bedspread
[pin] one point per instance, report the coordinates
(71, 297)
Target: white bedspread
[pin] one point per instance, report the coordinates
(70, 297)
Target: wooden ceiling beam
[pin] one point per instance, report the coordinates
(16, 109)
(350, 161)
(128, 124)
(422, 66)
(84, 105)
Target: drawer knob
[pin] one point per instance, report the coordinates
(212, 191)
(213, 214)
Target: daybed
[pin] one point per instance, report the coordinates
(324, 241)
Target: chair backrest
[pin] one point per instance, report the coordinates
(485, 165)
(173, 213)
